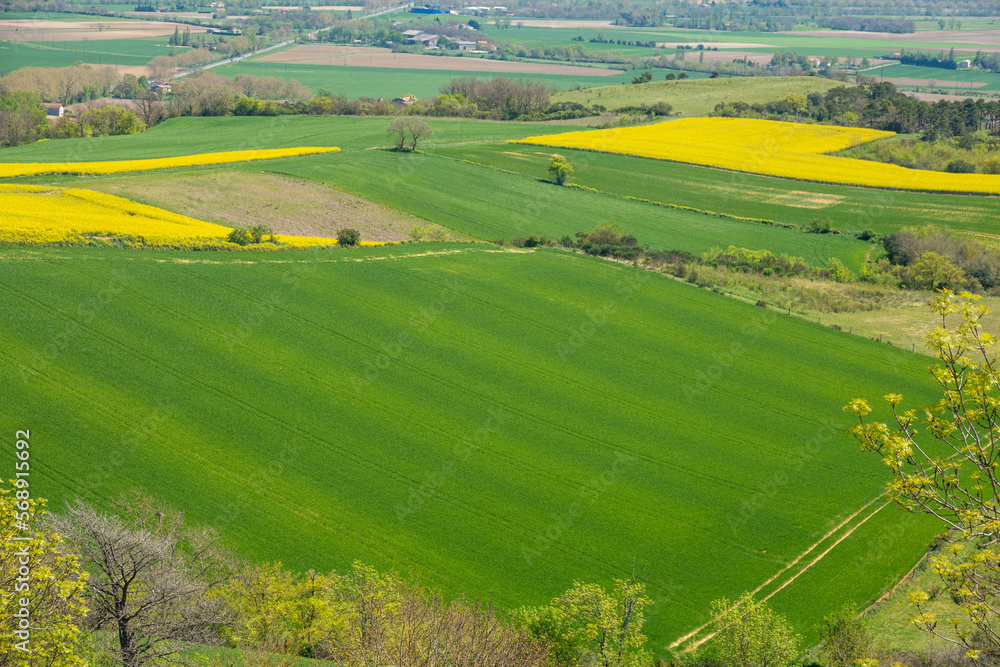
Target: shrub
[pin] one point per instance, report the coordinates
(417, 232)
(821, 226)
(240, 237)
(960, 166)
(348, 238)
(257, 233)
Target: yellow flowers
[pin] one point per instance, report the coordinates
(772, 148)
(32, 214)
(12, 169)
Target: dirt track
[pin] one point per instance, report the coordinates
(316, 54)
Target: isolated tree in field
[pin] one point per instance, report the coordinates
(559, 170)
(408, 128)
(150, 578)
(55, 588)
(348, 238)
(749, 634)
(948, 468)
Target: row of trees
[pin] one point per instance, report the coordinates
(880, 106)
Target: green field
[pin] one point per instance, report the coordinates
(957, 80)
(473, 200)
(747, 195)
(391, 82)
(501, 423)
(14, 55)
(699, 97)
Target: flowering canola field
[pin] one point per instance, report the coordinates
(771, 148)
(43, 214)
(12, 169)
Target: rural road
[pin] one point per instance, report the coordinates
(235, 59)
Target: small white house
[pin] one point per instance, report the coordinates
(53, 109)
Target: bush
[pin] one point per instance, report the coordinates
(348, 238)
(240, 237)
(257, 233)
(821, 226)
(960, 166)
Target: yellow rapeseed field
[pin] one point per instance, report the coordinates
(44, 214)
(12, 169)
(772, 148)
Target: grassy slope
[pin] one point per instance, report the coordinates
(426, 413)
(187, 136)
(509, 206)
(476, 201)
(747, 195)
(139, 51)
(699, 97)
(393, 82)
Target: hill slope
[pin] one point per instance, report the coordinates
(501, 423)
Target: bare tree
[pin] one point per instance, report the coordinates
(149, 107)
(150, 578)
(408, 125)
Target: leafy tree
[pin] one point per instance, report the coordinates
(749, 634)
(933, 271)
(408, 126)
(348, 238)
(240, 237)
(55, 588)
(559, 169)
(590, 624)
(257, 233)
(948, 469)
(844, 639)
(606, 232)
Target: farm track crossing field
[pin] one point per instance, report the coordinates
(771, 148)
(748, 195)
(500, 422)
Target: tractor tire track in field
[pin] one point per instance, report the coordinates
(507, 407)
(751, 398)
(459, 502)
(455, 438)
(839, 538)
(122, 419)
(347, 453)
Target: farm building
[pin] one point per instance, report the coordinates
(426, 9)
(465, 45)
(964, 64)
(53, 109)
(418, 37)
(405, 100)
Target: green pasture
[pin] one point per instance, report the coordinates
(390, 82)
(499, 423)
(14, 55)
(69, 17)
(957, 79)
(488, 204)
(188, 136)
(698, 97)
(746, 195)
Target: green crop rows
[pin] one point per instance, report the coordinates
(499, 422)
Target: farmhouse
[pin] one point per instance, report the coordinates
(465, 45)
(405, 100)
(53, 109)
